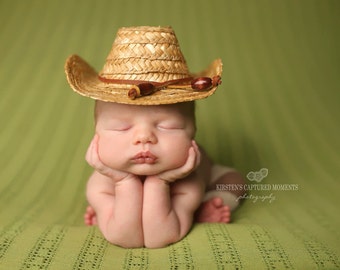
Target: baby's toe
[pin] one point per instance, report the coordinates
(225, 219)
(217, 202)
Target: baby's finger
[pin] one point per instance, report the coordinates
(88, 155)
(189, 165)
(197, 152)
(92, 156)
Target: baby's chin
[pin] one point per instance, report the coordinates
(148, 169)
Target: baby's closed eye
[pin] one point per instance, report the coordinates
(118, 126)
(170, 125)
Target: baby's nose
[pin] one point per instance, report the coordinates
(145, 136)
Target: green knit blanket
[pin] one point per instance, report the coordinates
(277, 111)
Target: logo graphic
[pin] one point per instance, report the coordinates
(258, 176)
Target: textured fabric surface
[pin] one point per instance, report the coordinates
(277, 109)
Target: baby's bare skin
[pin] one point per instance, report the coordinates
(210, 211)
(150, 176)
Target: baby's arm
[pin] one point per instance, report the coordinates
(119, 215)
(168, 208)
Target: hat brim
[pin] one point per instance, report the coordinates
(84, 80)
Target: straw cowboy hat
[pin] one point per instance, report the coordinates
(144, 67)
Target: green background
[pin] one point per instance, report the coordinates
(277, 108)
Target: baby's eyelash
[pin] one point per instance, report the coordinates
(119, 128)
(122, 129)
(169, 126)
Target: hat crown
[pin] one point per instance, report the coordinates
(145, 53)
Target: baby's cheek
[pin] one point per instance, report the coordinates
(106, 152)
(179, 155)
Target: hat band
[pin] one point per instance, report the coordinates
(144, 88)
(136, 82)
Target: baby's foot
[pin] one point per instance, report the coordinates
(213, 211)
(90, 217)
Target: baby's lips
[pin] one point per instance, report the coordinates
(144, 157)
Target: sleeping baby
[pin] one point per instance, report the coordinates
(151, 180)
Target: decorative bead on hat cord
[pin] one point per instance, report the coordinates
(144, 88)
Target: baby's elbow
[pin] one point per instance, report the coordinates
(119, 236)
(125, 242)
(161, 242)
(169, 237)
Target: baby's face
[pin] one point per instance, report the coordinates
(144, 140)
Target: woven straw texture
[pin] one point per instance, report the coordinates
(85, 81)
(277, 108)
(145, 53)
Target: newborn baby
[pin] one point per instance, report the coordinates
(151, 180)
(150, 176)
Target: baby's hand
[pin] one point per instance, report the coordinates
(191, 164)
(93, 159)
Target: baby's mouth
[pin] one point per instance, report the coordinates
(144, 157)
